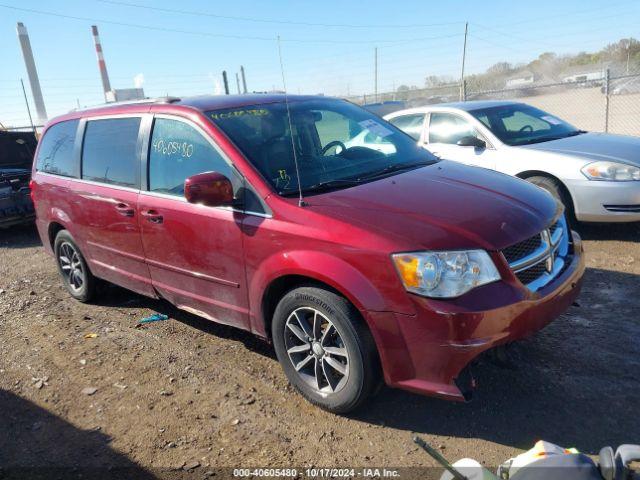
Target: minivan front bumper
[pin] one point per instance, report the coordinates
(425, 353)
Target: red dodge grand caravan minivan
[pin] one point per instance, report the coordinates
(358, 263)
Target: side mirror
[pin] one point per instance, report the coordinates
(210, 188)
(471, 141)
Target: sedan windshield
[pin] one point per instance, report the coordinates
(520, 124)
(337, 144)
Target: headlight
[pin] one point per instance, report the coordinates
(617, 172)
(445, 274)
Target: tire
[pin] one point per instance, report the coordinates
(555, 188)
(340, 378)
(73, 269)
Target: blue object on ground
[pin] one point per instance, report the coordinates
(156, 317)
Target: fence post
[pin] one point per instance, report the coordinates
(607, 82)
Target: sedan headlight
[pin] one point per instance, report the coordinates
(445, 274)
(612, 171)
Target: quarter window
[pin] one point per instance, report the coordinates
(410, 124)
(448, 128)
(56, 149)
(110, 151)
(178, 151)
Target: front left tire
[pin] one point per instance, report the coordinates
(325, 350)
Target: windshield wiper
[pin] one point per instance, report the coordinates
(351, 182)
(576, 132)
(555, 137)
(332, 184)
(397, 167)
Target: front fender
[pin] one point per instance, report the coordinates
(319, 266)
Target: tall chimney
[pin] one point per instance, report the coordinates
(30, 64)
(106, 86)
(244, 80)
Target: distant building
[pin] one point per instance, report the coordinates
(125, 94)
(584, 74)
(521, 79)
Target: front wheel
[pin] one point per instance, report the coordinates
(325, 350)
(555, 188)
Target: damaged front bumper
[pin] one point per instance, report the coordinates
(428, 353)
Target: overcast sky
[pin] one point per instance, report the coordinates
(180, 48)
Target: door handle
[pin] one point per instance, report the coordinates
(152, 216)
(124, 210)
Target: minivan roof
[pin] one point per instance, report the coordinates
(202, 102)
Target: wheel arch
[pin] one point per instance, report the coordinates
(283, 272)
(279, 287)
(53, 230)
(540, 173)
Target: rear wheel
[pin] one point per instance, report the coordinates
(76, 276)
(556, 189)
(325, 350)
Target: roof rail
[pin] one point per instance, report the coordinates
(166, 99)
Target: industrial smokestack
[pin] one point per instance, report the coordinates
(30, 64)
(226, 83)
(244, 80)
(106, 86)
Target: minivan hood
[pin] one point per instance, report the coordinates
(446, 205)
(594, 146)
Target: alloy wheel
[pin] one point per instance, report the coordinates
(71, 266)
(316, 350)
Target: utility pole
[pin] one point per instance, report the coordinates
(30, 65)
(375, 61)
(628, 54)
(464, 57)
(226, 83)
(244, 80)
(238, 83)
(26, 102)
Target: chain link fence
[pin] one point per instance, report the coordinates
(610, 104)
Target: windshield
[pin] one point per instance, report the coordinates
(337, 144)
(520, 124)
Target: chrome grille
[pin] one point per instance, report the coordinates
(531, 274)
(522, 249)
(538, 259)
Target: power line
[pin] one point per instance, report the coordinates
(280, 22)
(564, 14)
(208, 34)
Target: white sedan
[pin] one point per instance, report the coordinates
(596, 175)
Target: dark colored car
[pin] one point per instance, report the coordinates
(359, 265)
(16, 160)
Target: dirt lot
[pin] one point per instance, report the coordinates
(188, 393)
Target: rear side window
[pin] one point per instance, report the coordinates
(56, 150)
(179, 151)
(110, 151)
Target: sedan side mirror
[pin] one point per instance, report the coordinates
(210, 188)
(471, 141)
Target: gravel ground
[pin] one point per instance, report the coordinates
(187, 394)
